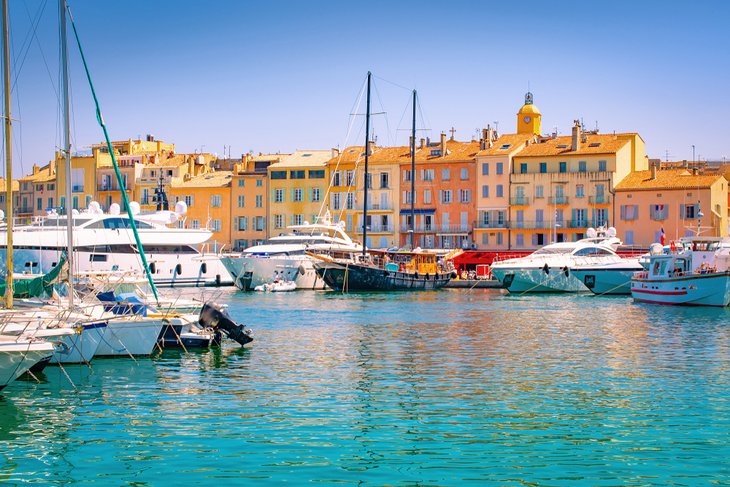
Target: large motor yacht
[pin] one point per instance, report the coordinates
(286, 257)
(104, 242)
(549, 269)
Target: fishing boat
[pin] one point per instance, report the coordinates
(549, 269)
(287, 256)
(695, 272)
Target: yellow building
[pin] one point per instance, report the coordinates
(250, 204)
(162, 170)
(83, 179)
(15, 192)
(676, 200)
(297, 189)
(340, 195)
(560, 186)
(37, 192)
(208, 198)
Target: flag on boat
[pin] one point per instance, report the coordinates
(661, 236)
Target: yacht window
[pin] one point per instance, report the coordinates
(547, 251)
(595, 251)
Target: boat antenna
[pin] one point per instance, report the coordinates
(66, 150)
(413, 175)
(122, 188)
(8, 157)
(367, 155)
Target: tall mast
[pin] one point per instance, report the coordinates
(367, 155)
(66, 150)
(413, 175)
(8, 157)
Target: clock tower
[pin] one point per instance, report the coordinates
(528, 118)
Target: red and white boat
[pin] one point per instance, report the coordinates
(693, 271)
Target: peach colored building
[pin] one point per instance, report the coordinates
(673, 199)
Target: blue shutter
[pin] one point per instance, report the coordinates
(623, 212)
(682, 212)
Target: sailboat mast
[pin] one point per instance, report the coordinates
(8, 158)
(365, 187)
(66, 145)
(413, 175)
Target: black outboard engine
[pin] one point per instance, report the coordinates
(215, 316)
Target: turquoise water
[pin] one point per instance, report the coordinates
(444, 388)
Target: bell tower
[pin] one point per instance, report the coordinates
(529, 117)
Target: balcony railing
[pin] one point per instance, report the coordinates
(77, 188)
(600, 200)
(558, 200)
(519, 201)
(531, 224)
(496, 224)
(377, 206)
(24, 211)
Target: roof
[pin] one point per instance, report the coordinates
(561, 146)
(506, 144)
(44, 174)
(303, 158)
(16, 185)
(528, 109)
(666, 179)
(217, 179)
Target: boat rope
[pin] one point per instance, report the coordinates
(533, 287)
(63, 369)
(30, 373)
(120, 180)
(612, 289)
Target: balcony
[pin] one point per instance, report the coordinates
(558, 200)
(519, 201)
(24, 211)
(418, 228)
(380, 206)
(532, 224)
(496, 224)
(457, 228)
(585, 223)
(600, 200)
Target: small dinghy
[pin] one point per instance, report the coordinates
(277, 286)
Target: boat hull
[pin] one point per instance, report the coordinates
(80, 347)
(124, 337)
(18, 357)
(690, 290)
(356, 277)
(520, 280)
(250, 272)
(606, 281)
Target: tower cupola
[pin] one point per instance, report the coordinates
(529, 117)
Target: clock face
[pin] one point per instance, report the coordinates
(527, 119)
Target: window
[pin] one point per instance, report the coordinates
(298, 219)
(39, 187)
(241, 201)
(337, 178)
(543, 167)
(689, 212)
(600, 217)
(427, 174)
(241, 183)
(298, 174)
(579, 191)
(519, 240)
(189, 201)
(658, 212)
(316, 194)
(278, 174)
(194, 224)
(629, 237)
(297, 196)
(464, 195)
(427, 196)
(485, 191)
(436, 152)
(563, 167)
(369, 181)
(316, 174)
(259, 201)
(579, 218)
(446, 196)
(242, 223)
(464, 174)
(259, 183)
(77, 180)
(505, 146)
(500, 167)
(216, 200)
(581, 166)
(485, 169)
(278, 221)
(217, 225)
(260, 223)
(445, 174)
(384, 177)
(500, 191)
(629, 212)
(50, 202)
(351, 178)
(407, 197)
(523, 168)
(350, 201)
(406, 175)
(539, 191)
(39, 205)
(75, 203)
(278, 195)
(336, 201)
(602, 165)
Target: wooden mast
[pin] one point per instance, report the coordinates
(8, 158)
(365, 187)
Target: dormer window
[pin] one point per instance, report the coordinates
(505, 146)
(436, 152)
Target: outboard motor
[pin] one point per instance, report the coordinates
(215, 316)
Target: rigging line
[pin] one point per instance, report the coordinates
(25, 49)
(387, 126)
(393, 83)
(40, 49)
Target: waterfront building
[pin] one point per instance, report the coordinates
(674, 200)
(249, 199)
(445, 186)
(159, 171)
(83, 178)
(15, 191)
(493, 169)
(384, 197)
(208, 198)
(37, 192)
(341, 194)
(297, 188)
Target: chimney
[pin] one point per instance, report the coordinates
(443, 144)
(371, 147)
(52, 167)
(36, 168)
(575, 146)
(653, 170)
(490, 136)
(423, 142)
(335, 153)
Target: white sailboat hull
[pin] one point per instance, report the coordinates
(16, 357)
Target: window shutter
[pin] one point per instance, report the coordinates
(682, 211)
(636, 212)
(623, 212)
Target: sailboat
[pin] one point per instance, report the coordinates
(383, 270)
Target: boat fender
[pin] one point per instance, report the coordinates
(301, 270)
(218, 280)
(178, 269)
(566, 271)
(453, 274)
(546, 269)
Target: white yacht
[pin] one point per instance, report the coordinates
(549, 269)
(105, 242)
(611, 277)
(286, 256)
(694, 272)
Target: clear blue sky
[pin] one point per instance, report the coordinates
(274, 76)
